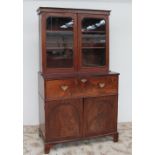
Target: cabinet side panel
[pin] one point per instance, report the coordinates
(41, 116)
(40, 43)
(41, 85)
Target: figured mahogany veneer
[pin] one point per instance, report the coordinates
(75, 102)
(97, 86)
(64, 119)
(56, 89)
(100, 115)
(82, 87)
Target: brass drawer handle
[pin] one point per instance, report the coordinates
(83, 80)
(64, 87)
(101, 85)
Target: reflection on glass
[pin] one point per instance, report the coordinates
(93, 42)
(67, 25)
(59, 42)
(94, 24)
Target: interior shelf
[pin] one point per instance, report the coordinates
(58, 48)
(93, 47)
(91, 65)
(86, 35)
(92, 32)
(60, 58)
(57, 32)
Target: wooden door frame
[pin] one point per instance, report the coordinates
(105, 68)
(43, 42)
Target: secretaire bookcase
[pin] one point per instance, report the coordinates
(78, 94)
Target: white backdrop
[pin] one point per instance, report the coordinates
(120, 51)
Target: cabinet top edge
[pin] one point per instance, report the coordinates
(76, 75)
(71, 10)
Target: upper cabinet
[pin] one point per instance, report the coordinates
(73, 41)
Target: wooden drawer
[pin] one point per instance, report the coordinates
(107, 85)
(98, 86)
(83, 87)
(59, 89)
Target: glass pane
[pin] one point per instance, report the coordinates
(59, 42)
(93, 42)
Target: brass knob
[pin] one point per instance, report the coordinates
(83, 80)
(101, 85)
(64, 87)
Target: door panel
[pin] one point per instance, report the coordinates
(93, 42)
(100, 115)
(64, 119)
(60, 42)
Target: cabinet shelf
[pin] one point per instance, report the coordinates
(93, 47)
(60, 58)
(93, 32)
(59, 32)
(59, 48)
(52, 42)
(84, 36)
(91, 65)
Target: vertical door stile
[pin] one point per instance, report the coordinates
(78, 42)
(75, 25)
(107, 42)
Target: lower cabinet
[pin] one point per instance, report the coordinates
(100, 115)
(79, 118)
(64, 119)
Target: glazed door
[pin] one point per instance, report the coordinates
(100, 115)
(93, 42)
(64, 119)
(60, 42)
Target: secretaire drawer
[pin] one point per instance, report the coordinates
(59, 89)
(98, 86)
(81, 87)
(107, 84)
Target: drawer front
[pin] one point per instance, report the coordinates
(106, 85)
(83, 87)
(98, 86)
(59, 89)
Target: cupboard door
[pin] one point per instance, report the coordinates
(100, 115)
(63, 119)
(60, 43)
(93, 41)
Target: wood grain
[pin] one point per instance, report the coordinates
(64, 119)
